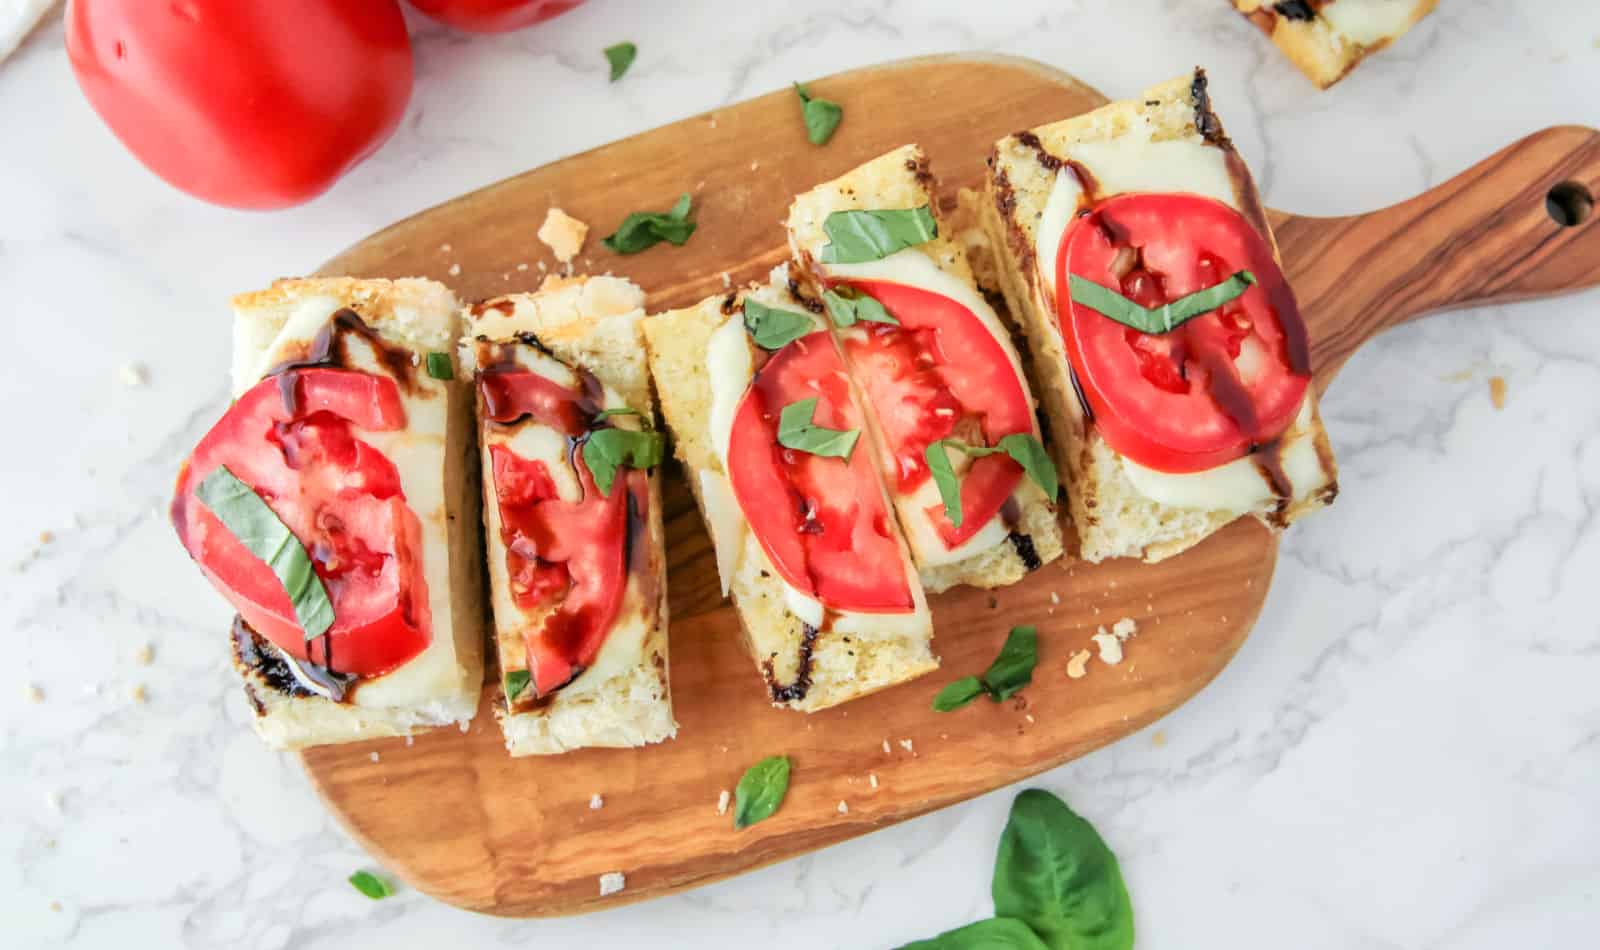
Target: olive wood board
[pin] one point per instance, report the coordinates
(459, 819)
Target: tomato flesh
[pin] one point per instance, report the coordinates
(822, 521)
(493, 16)
(1220, 384)
(296, 440)
(940, 374)
(566, 559)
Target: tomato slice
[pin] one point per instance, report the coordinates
(295, 439)
(565, 559)
(1217, 386)
(940, 374)
(822, 521)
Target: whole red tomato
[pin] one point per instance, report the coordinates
(493, 16)
(244, 103)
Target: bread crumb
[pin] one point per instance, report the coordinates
(374, 757)
(1029, 717)
(1110, 647)
(465, 725)
(53, 799)
(55, 906)
(886, 749)
(411, 740)
(133, 374)
(455, 270)
(522, 267)
(563, 234)
(1497, 391)
(722, 802)
(33, 693)
(444, 249)
(1158, 738)
(137, 693)
(1078, 665)
(1125, 628)
(872, 779)
(543, 268)
(1055, 598)
(754, 165)
(844, 807)
(612, 882)
(906, 745)
(596, 802)
(144, 655)
(45, 537)
(726, 280)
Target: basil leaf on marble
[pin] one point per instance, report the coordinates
(760, 791)
(440, 367)
(996, 933)
(371, 885)
(1162, 319)
(858, 236)
(620, 57)
(822, 116)
(606, 450)
(796, 431)
(1054, 872)
(773, 328)
(645, 229)
(848, 306)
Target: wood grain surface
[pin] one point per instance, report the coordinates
(459, 819)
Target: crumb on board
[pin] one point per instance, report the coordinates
(844, 807)
(455, 270)
(872, 779)
(906, 745)
(612, 882)
(1109, 646)
(445, 249)
(1497, 391)
(596, 802)
(1078, 665)
(886, 749)
(722, 802)
(727, 281)
(1125, 628)
(563, 234)
(522, 267)
(411, 740)
(374, 757)
(1055, 598)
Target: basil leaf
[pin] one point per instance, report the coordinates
(622, 411)
(606, 450)
(371, 885)
(1055, 873)
(257, 527)
(795, 431)
(958, 694)
(1023, 447)
(1013, 668)
(645, 229)
(857, 236)
(848, 306)
(760, 791)
(620, 57)
(516, 682)
(1167, 317)
(773, 328)
(996, 933)
(440, 367)
(821, 116)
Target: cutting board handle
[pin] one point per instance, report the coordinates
(1518, 225)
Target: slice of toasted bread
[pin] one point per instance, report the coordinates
(805, 668)
(587, 327)
(1112, 515)
(1025, 534)
(441, 684)
(1326, 39)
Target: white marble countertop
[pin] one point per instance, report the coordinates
(1405, 754)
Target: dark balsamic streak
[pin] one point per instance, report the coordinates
(327, 349)
(794, 691)
(1206, 121)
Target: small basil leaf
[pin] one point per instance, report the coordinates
(606, 450)
(371, 885)
(857, 236)
(1054, 872)
(821, 116)
(1167, 317)
(440, 367)
(773, 328)
(516, 682)
(645, 229)
(958, 694)
(760, 791)
(847, 306)
(795, 431)
(944, 478)
(996, 933)
(620, 57)
(1035, 460)
(604, 414)
(1013, 668)
(1023, 447)
(257, 527)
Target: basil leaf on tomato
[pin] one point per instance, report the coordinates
(645, 229)
(620, 57)
(760, 791)
(1168, 316)
(848, 306)
(371, 885)
(1023, 447)
(996, 933)
(821, 116)
(606, 450)
(796, 431)
(440, 367)
(605, 414)
(958, 694)
(516, 682)
(774, 328)
(249, 519)
(1054, 872)
(1013, 668)
(858, 236)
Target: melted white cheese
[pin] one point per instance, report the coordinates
(1369, 22)
(1238, 486)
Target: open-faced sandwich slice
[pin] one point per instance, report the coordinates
(772, 435)
(952, 414)
(326, 506)
(1326, 39)
(572, 516)
(1171, 352)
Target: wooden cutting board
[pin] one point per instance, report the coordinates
(458, 819)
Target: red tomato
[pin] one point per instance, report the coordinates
(250, 105)
(567, 561)
(493, 16)
(338, 495)
(939, 374)
(822, 521)
(1220, 384)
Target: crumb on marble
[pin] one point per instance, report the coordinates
(596, 802)
(55, 906)
(145, 654)
(612, 882)
(53, 799)
(33, 693)
(133, 375)
(137, 693)
(1078, 665)
(1497, 391)
(45, 537)
(1158, 738)
(722, 802)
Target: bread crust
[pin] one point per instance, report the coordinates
(1315, 46)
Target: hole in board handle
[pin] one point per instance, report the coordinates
(1569, 204)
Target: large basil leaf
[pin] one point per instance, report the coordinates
(996, 933)
(774, 328)
(857, 236)
(606, 450)
(796, 431)
(645, 229)
(1162, 319)
(1054, 872)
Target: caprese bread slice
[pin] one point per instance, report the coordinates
(945, 395)
(1326, 39)
(1171, 352)
(772, 434)
(572, 516)
(326, 506)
